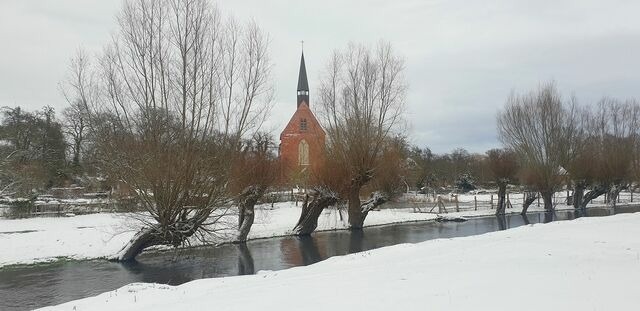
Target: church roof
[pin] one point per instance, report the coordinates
(303, 112)
(303, 84)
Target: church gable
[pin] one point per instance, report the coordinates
(303, 121)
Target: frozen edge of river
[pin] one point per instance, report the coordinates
(97, 236)
(582, 264)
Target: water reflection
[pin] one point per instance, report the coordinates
(37, 286)
(309, 252)
(356, 239)
(502, 222)
(245, 261)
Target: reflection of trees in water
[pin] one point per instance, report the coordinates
(161, 272)
(355, 241)
(598, 212)
(245, 260)
(300, 251)
(309, 250)
(580, 212)
(525, 219)
(548, 217)
(502, 222)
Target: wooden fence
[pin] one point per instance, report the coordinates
(466, 202)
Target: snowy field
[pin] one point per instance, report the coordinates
(585, 264)
(33, 240)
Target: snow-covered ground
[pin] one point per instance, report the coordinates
(32, 240)
(586, 264)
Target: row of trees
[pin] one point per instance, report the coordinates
(173, 107)
(552, 142)
(458, 169)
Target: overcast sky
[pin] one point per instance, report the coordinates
(463, 57)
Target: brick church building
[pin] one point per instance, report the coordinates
(302, 141)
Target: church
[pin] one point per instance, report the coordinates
(302, 141)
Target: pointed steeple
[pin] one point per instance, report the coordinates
(303, 85)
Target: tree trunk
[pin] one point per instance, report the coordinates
(547, 198)
(314, 203)
(376, 199)
(578, 194)
(502, 202)
(76, 154)
(356, 213)
(174, 234)
(597, 191)
(529, 198)
(613, 193)
(356, 216)
(246, 204)
(144, 238)
(245, 221)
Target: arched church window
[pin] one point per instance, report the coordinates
(303, 124)
(303, 153)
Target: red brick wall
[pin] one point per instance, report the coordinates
(291, 137)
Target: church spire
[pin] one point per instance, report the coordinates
(303, 85)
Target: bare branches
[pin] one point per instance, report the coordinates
(596, 146)
(362, 97)
(542, 129)
(181, 86)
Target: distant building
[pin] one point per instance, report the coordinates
(302, 141)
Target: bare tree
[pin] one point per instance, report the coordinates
(75, 128)
(254, 170)
(504, 166)
(362, 97)
(332, 183)
(607, 162)
(181, 86)
(541, 128)
(80, 92)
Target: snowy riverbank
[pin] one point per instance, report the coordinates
(588, 264)
(33, 240)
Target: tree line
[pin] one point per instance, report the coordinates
(173, 105)
(551, 142)
(556, 142)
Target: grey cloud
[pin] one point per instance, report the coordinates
(463, 57)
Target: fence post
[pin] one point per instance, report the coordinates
(492, 201)
(475, 203)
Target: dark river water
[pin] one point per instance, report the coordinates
(23, 288)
